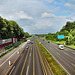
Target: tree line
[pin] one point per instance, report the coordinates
(67, 30)
(10, 29)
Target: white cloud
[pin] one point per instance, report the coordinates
(23, 15)
(34, 15)
(49, 1)
(72, 6)
(42, 24)
(46, 15)
(71, 0)
(16, 16)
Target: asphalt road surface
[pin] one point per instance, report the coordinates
(29, 62)
(11, 56)
(66, 57)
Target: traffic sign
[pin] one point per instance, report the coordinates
(60, 36)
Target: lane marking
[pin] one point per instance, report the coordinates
(57, 60)
(41, 60)
(73, 53)
(65, 53)
(27, 70)
(57, 53)
(25, 61)
(69, 55)
(33, 62)
(7, 59)
(73, 64)
(12, 70)
(14, 62)
(30, 54)
(21, 55)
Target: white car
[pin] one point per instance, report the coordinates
(60, 46)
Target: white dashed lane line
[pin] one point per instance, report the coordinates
(57, 53)
(12, 70)
(27, 70)
(73, 64)
(73, 52)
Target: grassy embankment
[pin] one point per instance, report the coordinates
(28, 38)
(56, 68)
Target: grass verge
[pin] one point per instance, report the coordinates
(29, 38)
(56, 68)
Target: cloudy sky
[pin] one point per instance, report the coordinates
(39, 16)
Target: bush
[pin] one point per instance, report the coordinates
(15, 44)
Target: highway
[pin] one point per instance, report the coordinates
(65, 58)
(11, 56)
(29, 62)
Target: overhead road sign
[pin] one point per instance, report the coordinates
(60, 36)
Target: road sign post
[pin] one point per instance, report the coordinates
(62, 37)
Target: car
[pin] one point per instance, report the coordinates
(58, 43)
(31, 42)
(48, 41)
(61, 47)
(28, 41)
(27, 47)
(43, 39)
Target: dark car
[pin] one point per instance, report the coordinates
(48, 41)
(27, 47)
(58, 43)
(31, 42)
(43, 39)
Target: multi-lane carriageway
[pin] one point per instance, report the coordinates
(29, 62)
(66, 57)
